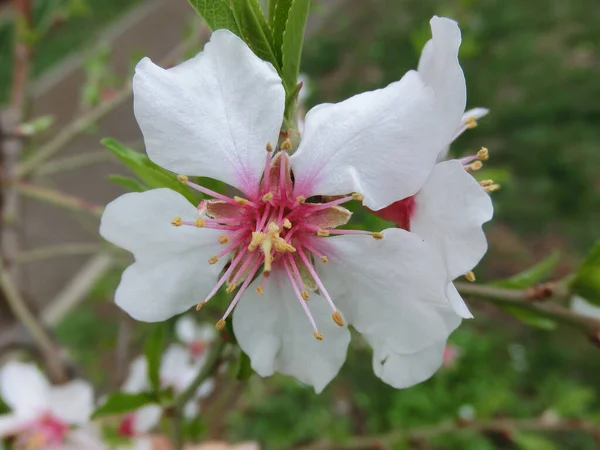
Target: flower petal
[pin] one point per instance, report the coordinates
(213, 115)
(393, 292)
(72, 402)
(11, 424)
(457, 302)
(185, 329)
(273, 330)
(585, 308)
(176, 369)
(137, 379)
(24, 388)
(473, 114)
(449, 213)
(368, 143)
(439, 68)
(171, 272)
(146, 418)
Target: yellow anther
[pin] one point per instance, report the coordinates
(183, 178)
(200, 305)
(492, 188)
(483, 154)
(318, 336)
(213, 260)
(471, 123)
(281, 245)
(258, 238)
(474, 166)
(260, 290)
(273, 228)
(470, 276)
(220, 325)
(287, 224)
(286, 145)
(486, 183)
(377, 235)
(300, 199)
(269, 147)
(199, 222)
(305, 295)
(324, 259)
(240, 201)
(337, 318)
(323, 233)
(231, 288)
(267, 197)
(358, 197)
(223, 239)
(177, 222)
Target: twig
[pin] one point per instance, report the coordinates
(74, 162)
(506, 426)
(525, 298)
(58, 198)
(55, 251)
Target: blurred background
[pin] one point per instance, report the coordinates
(535, 65)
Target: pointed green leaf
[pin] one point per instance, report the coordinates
(531, 318)
(533, 275)
(217, 14)
(149, 173)
(129, 183)
(255, 30)
(271, 10)
(586, 282)
(293, 40)
(280, 16)
(153, 353)
(121, 403)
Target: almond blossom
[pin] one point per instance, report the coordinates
(197, 337)
(44, 416)
(297, 278)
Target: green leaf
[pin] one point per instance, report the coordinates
(244, 368)
(255, 30)
(278, 22)
(293, 40)
(530, 441)
(153, 353)
(586, 282)
(532, 275)
(217, 14)
(271, 9)
(529, 317)
(149, 173)
(129, 183)
(121, 402)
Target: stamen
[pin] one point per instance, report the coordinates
(200, 305)
(223, 239)
(267, 197)
(199, 222)
(314, 207)
(269, 147)
(241, 201)
(183, 178)
(324, 259)
(204, 190)
(231, 288)
(483, 154)
(474, 166)
(245, 285)
(313, 273)
(486, 183)
(260, 290)
(337, 318)
(220, 325)
(287, 224)
(213, 260)
(286, 145)
(323, 233)
(300, 199)
(227, 274)
(378, 235)
(318, 336)
(305, 295)
(470, 276)
(302, 301)
(258, 237)
(471, 123)
(358, 197)
(492, 188)
(177, 222)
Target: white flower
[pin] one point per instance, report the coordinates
(585, 308)
(213, 116)
(41, 414)
(197, 337)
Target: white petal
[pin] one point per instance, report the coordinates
(212, 116)
(457, 302)
(274, 332)
(585, 308)
(87, 438)
(146, 418)
(72, 402)
(191, 409)
(380, 143)
(440, 69)
(171, 272)
(176, 369)
(24, 388)
(405, 370)
(206, 388)
(449, 213)
(474, 114)
(11, 424)
(137, 379)
(185, 329)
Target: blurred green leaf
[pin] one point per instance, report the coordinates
(121, 402)
(255, 30)
(278, 22)
(129, 183)
(529, 317)
(153, 353)
(149, 173)
(586, 282)
(244, 369)
(217, 14)
(530, 441)
(293, 40)
(533, 275)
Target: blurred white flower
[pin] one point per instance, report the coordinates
(197, 337)
(213, 116)
(42, 416)
(585, 308)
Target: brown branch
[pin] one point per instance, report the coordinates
(504, 426)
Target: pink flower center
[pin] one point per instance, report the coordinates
(273, 232)
(197, 348)
(126, 427)
(44, 432)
